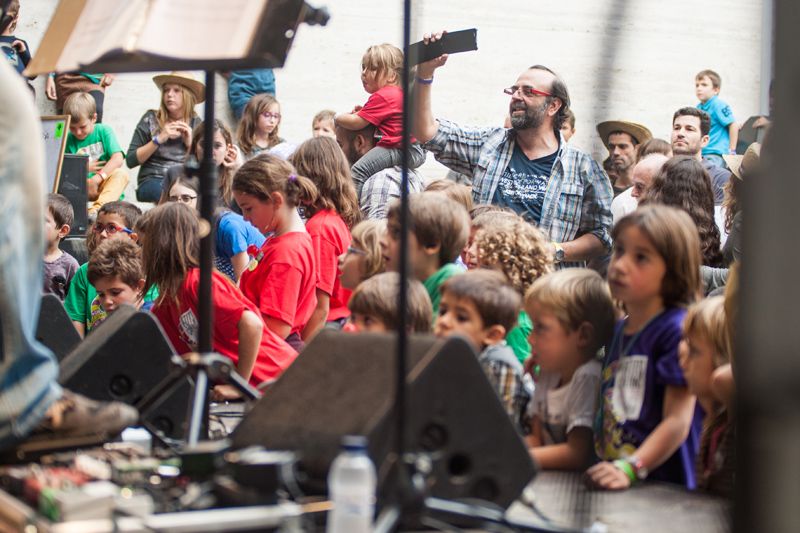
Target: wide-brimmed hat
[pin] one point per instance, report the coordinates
(739, 164)
(197, 88)
(637, 131)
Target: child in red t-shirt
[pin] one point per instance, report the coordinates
(381, 72)
(334, 213)
(281, 278)
(171, 252)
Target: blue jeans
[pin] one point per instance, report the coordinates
(150, 190)
(28, 370)
(716, 159)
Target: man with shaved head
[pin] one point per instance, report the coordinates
(643, 173)
(528, 167)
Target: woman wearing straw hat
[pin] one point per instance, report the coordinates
(163, 137)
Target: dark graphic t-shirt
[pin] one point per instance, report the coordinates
(524, 183)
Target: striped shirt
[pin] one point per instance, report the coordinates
(578, 196)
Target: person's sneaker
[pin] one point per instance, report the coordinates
(74, 415)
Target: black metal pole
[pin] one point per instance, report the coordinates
(208, 192)
(402, 306)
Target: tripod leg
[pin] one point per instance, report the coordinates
(199, 408)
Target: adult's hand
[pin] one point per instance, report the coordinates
(425, 70)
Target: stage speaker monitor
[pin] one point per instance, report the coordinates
(343, 384)
(72, 184)
(123, 359)
(55, 329)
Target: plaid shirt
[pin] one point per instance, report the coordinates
(506, 376)
(380, 188)
(578, 196)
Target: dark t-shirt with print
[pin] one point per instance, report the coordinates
(524, 183)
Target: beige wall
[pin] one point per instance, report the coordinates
(633, 59)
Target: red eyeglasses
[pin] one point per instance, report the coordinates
(526, 90)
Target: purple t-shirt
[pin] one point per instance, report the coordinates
(632, 395)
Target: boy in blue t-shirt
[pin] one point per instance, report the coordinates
(106, 179)
(724, 132)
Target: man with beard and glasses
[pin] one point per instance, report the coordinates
(528, 168)
(690, 127)
(622, 138)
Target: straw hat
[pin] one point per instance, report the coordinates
(637, 131)
(739, 164)
(197, 88)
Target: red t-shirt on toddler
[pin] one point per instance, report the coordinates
(330, 237)
(182, 327)
(384, 110)
(283, 283)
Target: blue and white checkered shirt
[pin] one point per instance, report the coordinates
(578, 196)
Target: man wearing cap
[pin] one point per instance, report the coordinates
(690, 127)
(163, 137)
(621, 138)
(528, 167)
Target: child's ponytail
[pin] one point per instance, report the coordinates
(266, 174)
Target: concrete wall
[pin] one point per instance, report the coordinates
(630, 59)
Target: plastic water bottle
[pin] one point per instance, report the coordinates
(351, 486)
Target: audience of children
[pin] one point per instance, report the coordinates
(163, 137)
(482, 306)
(381, 73)
(59, 266)
(439, 231)
(106, 179)
(331, 216)
(621, 396)
(373, 306)
(573, 317)
(171, 256)
(281, 278)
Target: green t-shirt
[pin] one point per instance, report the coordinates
(99, 145)
(435, 281)
(517, 338)
(82, 304)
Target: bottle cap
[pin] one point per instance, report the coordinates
(354, 442)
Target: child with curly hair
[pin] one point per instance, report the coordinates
(523, 254)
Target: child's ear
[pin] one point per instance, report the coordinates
(495, 334)
(585, 334)
(277, 199)
(94, 118)
(432, 249)
(63, 231)
(140, 286)
(134, 237)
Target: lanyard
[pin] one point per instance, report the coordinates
(618, 336)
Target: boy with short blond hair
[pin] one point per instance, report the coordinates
(59, 266)
(573, 317)
(106, 179)
(482, 306)
(724, 132)
(322, 124)
(439, 231)
(115, 270)
(373, 305)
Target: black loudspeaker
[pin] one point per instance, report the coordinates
(55, 329)
(76, 247)
(344, 384)
(72, 184)
(123, 359)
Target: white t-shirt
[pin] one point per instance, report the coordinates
(574, 404)
(623, 204)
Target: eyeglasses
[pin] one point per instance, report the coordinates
(526, 90)
(110, 228)
(355, 251)
(183, 198)
(267, 115)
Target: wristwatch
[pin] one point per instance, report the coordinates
(155, 140)
(559, 255)
(639, 469)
